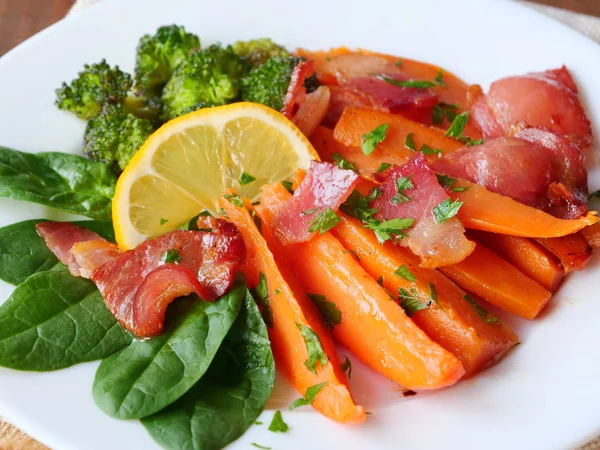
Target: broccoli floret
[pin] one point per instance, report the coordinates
(97, 85)
(159, 55)
(267, 84)
(146, 106)
(209, 77)
(256, 51)
(114, 136)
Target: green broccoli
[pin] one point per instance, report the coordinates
(96, 85)
(268, 83)
(256, 51)
(209, 77)
(114, 136)
(159, 55)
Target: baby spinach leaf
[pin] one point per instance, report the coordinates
(23, 252)
(229, 397)
(55, 320)
(59, 180)
(148, 375)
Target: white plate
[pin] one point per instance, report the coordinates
(544, 395)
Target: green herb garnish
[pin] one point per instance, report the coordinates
(385, 230)
(410, 142)
(433, 295)
(288, 185)
(343, 163)
(410, 301)
(314, 348)
(246, 178)
(329, 311)
(311, 393)
(171, 256)
(402, 184)
(371, 139)
(163, 221)
(347, 367)
(416, 84)
(357, 205)
(383, 166)
(483, 313)
(261, 296)
(439, 79)
(405, 273)
(234, 199)
(262, 447)
(277, 424)
(442, 110)
(445, 210)
(324, 221)
(427, 150)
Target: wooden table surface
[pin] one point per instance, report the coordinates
(20, 19)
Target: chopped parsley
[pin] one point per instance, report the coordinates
(410, 142)
(246, 178)
(442, 110)
(311, 393)
(288, 185)
(416, 84)
(399, 63)
(277, 424)
(405, 273)
(163, 221)
(385, 230)
(234, 199)
(433, 295)
(477, 142)
(309, 212)
(343, 163)
(483, 313)
(411, 303)
(357, 205)
(446, 182)
(329, 311)
(427, 150)
(371, 139)
(261, 297)
(324, 221)
(439, 79)
(257, 220)
(445, 210)
(223, 212)
(258, 422)
(353, 253)
(402, 184)
(383, 166)
(347, 367)
(171, 256)
(314, 348)
(277, 291)
(457, 127)
(262, 447)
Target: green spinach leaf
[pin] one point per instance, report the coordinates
(23, 252)
(59, 180)
(149, 375)
(55, 320)
(229, 397)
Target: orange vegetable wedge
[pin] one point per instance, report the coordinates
(490, 277)
(290, 306)
(591, 235)
(487, 211)
(357, 121)
(458, 327)
(573, 251)
(525, 254)
(372, 326)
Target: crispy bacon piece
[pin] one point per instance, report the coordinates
(305, 109)
(534, 167)
(360, 82)
(437, 244)
(138, 285)
(325, 186)
(60, 238)
(545, 99)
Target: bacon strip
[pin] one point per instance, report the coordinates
(138, 285)
(545, 99)
(325, 186)
(437, 244)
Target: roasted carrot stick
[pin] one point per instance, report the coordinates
(357, 121)
(490, 277)
(573, 251)
(525, 254)
(290, 307)
(591, 235)
(476, 340)
(487, 211)
(372, 326)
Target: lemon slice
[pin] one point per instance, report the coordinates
(186, 164)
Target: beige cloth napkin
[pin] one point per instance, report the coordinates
(13, 439)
